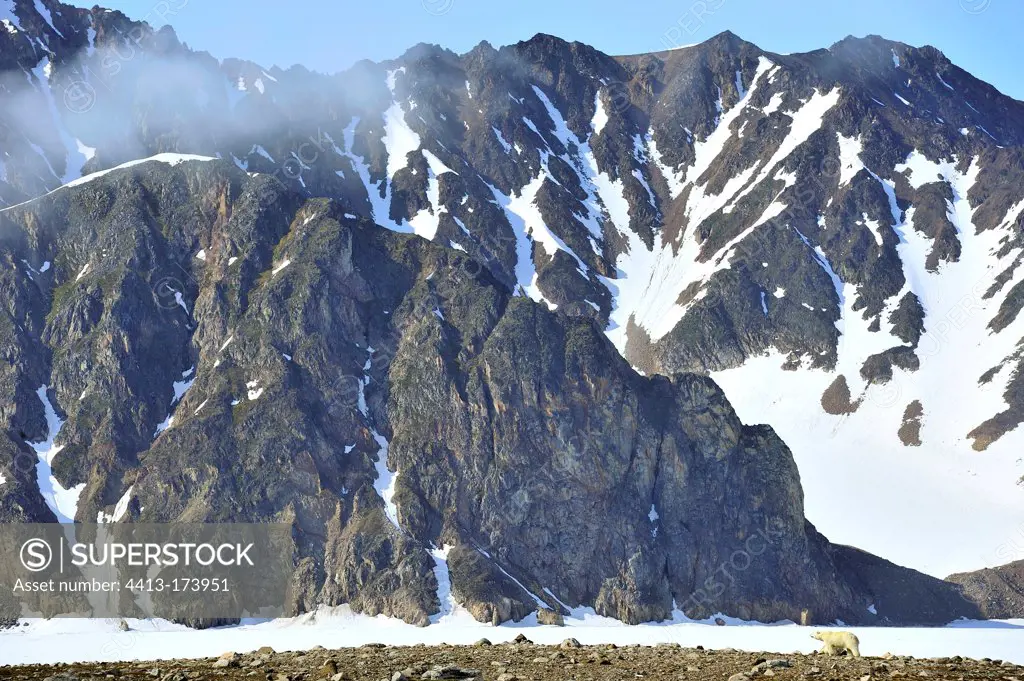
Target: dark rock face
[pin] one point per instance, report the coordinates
(999, 592)
(242, 339)
(557, 435)
(485, 589)
(900, 595)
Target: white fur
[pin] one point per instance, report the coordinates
(836, 641)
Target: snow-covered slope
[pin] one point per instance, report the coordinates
(942, 506)
(93, 640)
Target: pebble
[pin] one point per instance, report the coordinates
(227, 660)
(560, 662)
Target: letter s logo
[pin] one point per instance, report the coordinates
(36, 555)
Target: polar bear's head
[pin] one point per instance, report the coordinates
(817, 635)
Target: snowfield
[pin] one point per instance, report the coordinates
(941, 507)
(81, 640)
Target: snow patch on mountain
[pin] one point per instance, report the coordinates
(700, 205)
(675, 179)
(380, 201)
(168, 158)
(583, 164)
(706, 151)
(528, 226)
(805, 122)
(451, 612)
(600, 115)
(873, 227)
(774, 104)
(182, 386)
(120, 509)
(823, 261)
(253, 391)
(47, 17)
(76, 153)
(63, 502)
(399, 139)
(280, 267)
(653, 517)
(8, 17)
(385, 482)
(426, 222)
(850, 164)
(179, 388)
(605, 199)
(258, 149)
(163, 425)
(501, 140)
(957, 314)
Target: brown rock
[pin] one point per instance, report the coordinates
(227, 660)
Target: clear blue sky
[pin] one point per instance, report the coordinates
(982, 36)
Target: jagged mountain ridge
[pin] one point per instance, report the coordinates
(541, 155)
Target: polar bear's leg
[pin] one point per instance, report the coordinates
(828, 649)
(853, 649)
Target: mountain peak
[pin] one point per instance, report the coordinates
(544, 39)
(854, 47)
(726, 36)
(426, 51)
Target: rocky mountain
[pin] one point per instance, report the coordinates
(997, 590)
(463, 319)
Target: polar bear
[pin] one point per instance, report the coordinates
(836, 641)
